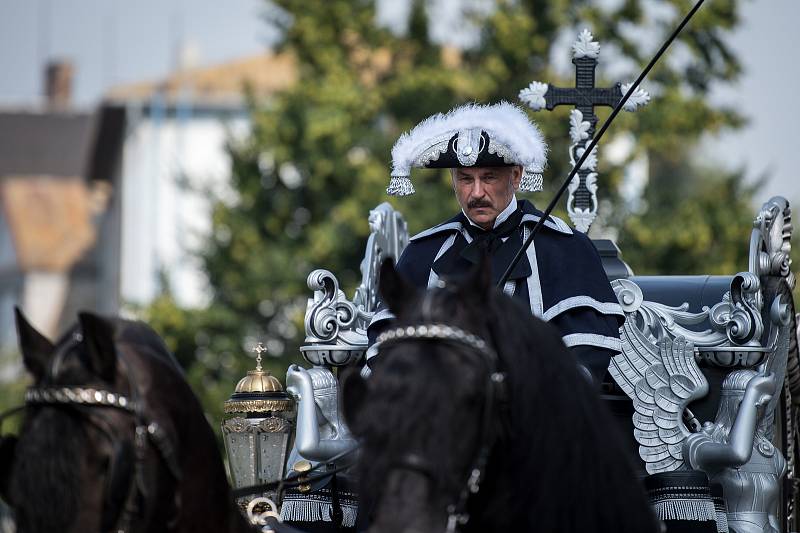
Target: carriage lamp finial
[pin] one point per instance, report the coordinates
(259, 349)
(259, 380)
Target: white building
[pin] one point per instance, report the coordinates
(54, 189)
(174, 159)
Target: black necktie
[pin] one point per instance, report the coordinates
(489, 241)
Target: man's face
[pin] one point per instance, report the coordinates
(483, 193)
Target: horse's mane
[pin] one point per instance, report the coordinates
(562, 434)
(52, 431)
(138, 334)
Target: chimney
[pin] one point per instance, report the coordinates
(58, 84)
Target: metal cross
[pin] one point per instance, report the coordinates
(582, 200)
(259, 349)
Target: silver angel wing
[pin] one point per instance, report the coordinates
(661, 377)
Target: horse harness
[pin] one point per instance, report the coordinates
(146, 430)
(496, 395)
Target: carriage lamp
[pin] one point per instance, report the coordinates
(260, 431)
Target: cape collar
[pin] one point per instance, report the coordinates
(531, 215)
(452, 262)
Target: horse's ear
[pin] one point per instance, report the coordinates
(395, 291)
(354, 394)
(98, 337)
(36, 349)
(478, 282)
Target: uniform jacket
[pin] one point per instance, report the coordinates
(561, 279)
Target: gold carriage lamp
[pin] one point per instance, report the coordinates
(259, 434)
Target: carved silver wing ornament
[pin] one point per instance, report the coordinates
(662, 378)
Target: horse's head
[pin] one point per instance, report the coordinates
(85, 450)
(420, 416)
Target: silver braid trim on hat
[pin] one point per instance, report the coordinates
(501, 150)
(531, 181)
(434, 331)
(400, 186)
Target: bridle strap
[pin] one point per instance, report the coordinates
(78, 396)
(457, 513)
(146, 429)
(495, 390)
(438, 331)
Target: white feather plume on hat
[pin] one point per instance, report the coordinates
(512, 136)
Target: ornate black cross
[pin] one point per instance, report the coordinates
(582, 200)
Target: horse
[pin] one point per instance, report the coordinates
(476, 417)
(113, 438)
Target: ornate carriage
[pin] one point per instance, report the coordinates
(724, 324)
(686, 340)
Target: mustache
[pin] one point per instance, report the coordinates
(474, 204)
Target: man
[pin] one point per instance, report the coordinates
(494, 151)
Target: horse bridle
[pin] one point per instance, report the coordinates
(146, 429)
(496, 393)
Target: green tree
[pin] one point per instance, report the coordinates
(696, 221)
(318, 156)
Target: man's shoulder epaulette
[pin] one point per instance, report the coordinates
(553, 223)
(531, 216)
(453, 225)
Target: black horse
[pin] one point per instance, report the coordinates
(435, 403)
(112, 439)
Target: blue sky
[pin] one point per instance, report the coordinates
(113, 42)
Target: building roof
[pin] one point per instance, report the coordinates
(50, 163)
(34, 142)
(50, 220)
(220, 84)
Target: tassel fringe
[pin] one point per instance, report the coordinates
(531, 181)
(722, 515)
(722, 523)
(316, 511)
(400, 186)
(695, 510)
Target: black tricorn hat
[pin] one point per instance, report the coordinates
(471, 136)
(453, 158)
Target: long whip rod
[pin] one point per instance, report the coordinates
(594, 142)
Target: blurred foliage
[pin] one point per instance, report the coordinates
(13, 390)
(208, 344)
(318, 156)
(697, 220)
